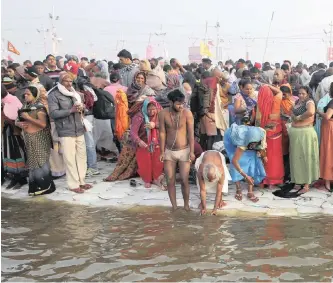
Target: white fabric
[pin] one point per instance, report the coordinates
(71, 93)
(220, 113)
(212, 186)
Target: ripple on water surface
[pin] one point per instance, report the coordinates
(60, 242)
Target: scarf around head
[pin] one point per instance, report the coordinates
(244, 135)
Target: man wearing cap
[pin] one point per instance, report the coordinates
(51, 69)
(207, 64)
(11, 87)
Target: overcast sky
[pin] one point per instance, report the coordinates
(100, 28)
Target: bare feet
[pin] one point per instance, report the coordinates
(147, 185)
(187, 207)
(305, 189)
(159, 183)
(203, 212)
(174, 208)
(214, 212)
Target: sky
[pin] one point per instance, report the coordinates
(101, 28)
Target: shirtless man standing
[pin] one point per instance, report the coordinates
(177, 145)
(212, 177)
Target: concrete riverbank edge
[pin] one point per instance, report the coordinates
(122, 196)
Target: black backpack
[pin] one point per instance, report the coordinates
(104, 107)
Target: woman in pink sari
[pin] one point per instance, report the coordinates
(268, 117)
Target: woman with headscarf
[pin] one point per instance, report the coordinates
(139, 90)
(66, 109)
(303, 148)
(35, 123)
(144, 135)
(326, 142)
(13, 149)
(244, 146)
(245, 103)
(268, 117)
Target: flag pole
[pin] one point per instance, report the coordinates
(269, 30)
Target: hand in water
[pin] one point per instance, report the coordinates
(249, 180)
(214, 212)
(203, 212)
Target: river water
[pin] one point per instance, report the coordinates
(54, 241)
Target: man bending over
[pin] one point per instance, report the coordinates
(212, 177)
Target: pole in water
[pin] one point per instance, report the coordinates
(269, 30)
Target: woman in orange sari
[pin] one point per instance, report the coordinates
(287, 104)
(268, 118)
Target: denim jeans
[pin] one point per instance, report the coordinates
(90, 146)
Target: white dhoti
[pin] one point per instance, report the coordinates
(212, 186)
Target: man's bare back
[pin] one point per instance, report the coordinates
(173, 121)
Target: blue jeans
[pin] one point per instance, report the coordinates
(90, 146)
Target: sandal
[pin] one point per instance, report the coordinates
(77, 190)
(252, 197)
(239, 195)
(86, 187)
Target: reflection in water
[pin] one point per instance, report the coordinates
(59, 242)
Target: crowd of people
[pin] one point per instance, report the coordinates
(169, 123)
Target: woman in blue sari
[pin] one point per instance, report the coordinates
(245, 146)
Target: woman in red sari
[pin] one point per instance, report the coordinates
(144, 133)
(268, 117)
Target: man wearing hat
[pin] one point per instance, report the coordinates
(207, 64)
(13, 89)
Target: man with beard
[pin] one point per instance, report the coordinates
(177, 145)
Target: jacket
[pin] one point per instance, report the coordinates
(67, 124)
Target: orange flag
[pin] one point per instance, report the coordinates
(11, 48)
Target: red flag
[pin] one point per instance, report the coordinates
(12, 49)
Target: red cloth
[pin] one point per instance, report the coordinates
(150, 167)
(211, 83)
(257, 65)
(269, 104)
